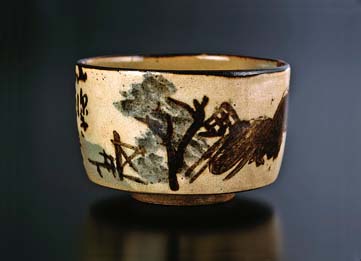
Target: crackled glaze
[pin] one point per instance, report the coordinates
(168, 129)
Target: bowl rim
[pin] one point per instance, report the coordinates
(281, 65)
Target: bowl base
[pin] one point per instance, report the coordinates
(182, 200)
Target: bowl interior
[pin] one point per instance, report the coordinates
(202, 62)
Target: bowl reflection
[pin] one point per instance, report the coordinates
(122, 229)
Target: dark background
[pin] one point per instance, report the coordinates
(47, 200)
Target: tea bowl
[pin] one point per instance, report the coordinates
(182, 129)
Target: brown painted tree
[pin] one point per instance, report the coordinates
(172, 123)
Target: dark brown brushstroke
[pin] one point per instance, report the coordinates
(108, 160)
(108, 163)
(118, 157)
(83, 100)
(175, 153)
(246, 141)
(81, 76)
(198, 116)
(205, 157)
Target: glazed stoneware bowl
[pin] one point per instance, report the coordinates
(182, 129)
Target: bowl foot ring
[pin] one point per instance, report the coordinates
(182, 200)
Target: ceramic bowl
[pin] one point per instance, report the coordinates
(182, 129)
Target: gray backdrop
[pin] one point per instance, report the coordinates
(317, 197)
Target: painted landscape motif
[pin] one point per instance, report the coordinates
(181, 141)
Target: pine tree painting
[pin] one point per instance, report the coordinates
(172, 129)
